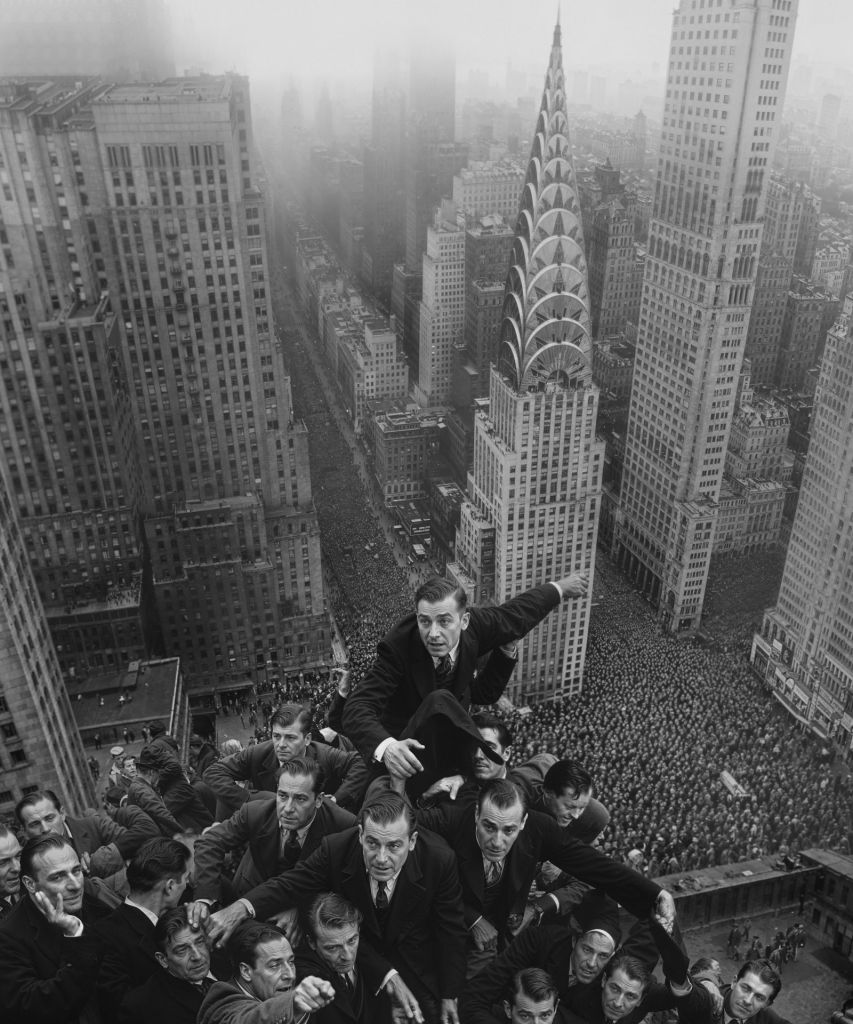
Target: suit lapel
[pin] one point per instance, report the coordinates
(356, 887)
(408, 893)
(469, 859)
(521, 864)
(264, 843)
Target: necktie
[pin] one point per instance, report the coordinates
(349, 984)
(444, 669)
(381, 896)
(494, 870)
(290, 850)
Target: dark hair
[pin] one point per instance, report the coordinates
(503, 794)
(242, 947)
(633, 968)
(114, 796)
(154, 862)
(704, 963)
(31, 799)
(765, 971)
(37, 847)
(305, 766)
(329, 910)
(486, 720)
(436, 589)
(6, 831)
(385, 808)
(299, 715)
(534, 983)
(168, 925)
(566, 774)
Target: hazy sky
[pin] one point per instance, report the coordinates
(305, 36)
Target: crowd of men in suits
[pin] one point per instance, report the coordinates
(407, 873)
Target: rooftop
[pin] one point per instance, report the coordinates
(147, 689)
(202, 89)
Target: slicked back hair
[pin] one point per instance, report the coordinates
(31, 799)
(567, 774)
(534, 983)
(38, 846)
(299, 715)
(385, 808)
(242, 947)
(330, 910)
(297, 766)
(156, 861)
(501, 794)
(633, 969)
(486, 720)
(766, 973)
(436, 589)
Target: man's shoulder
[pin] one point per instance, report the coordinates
(124, 921)
(433, 849)
(331, 817)
(20, 921)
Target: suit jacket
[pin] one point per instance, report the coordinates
(361, 1006)
(127, 956)
(423, 936)
(541, 839)
(344, 770)
(227, 1003)
(94, 834)
(140, 825)
(46, 978)
(256, 824)
(698, 1008)
(403, 672)
(142, 794)
(163, 998)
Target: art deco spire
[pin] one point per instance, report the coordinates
(545, 335)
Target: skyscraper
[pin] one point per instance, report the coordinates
(805, 648)
(39, 742)
(728, 65)
(535, 490)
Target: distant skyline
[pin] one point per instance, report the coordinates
(336, 38)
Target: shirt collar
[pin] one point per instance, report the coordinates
(453, 654)
(389, 884)
(152, 917)
(301, 833)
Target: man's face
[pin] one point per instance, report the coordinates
(42, 817)
(274, 970)
(590, 955)
(440, 624)
(337, 947)
(482, 768)
(497, 828)
(386, 847)
(567, 806)
(295, 801)
(128, 769)
(289, 741)
(10, 866)
(187, 955)
(620, 994)
(525, 1010)
(58, 873)
(748, 995)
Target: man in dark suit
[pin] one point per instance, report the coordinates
(498, 845)
(103, 845)
(438, 647)
(48, 948)
(261, 989)
(279, 831)
(331, 951)
(406, 886)
(175, 990)
(10, 871)
(290, 728)
(156, 877)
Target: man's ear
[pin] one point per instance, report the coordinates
(29, 883)
(161, 960)
(466, 618)
(507, 1010)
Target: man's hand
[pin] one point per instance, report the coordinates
(484, 934)
(400, 760)
(449, 1013)
(574, 585)
(343, 684)
(312, 994)
(198, 914)
(221, 924)
(451, 785)
(527, 919)
(664, 912)
(288, 921)
(404, 1006)
(56, 915)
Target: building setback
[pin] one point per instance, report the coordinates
(805, 648)
(719, 131)
(535, 489)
